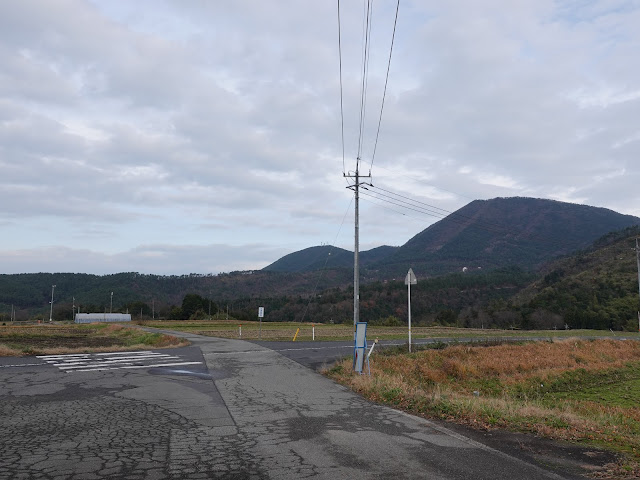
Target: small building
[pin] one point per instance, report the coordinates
(102, 317)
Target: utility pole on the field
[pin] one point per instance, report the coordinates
(53, 287)
(356, 251)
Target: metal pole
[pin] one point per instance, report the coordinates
(53, 287)
(111, 306)
(409, 311)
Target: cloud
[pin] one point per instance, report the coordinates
(128, 122)
(155, 259)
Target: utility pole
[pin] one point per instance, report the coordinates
(356, 250)
(73, 309)
(153, 309)
(53, 287)
(111, 306)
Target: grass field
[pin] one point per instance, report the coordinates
(573, 389)
(47, 339)
(287, 330)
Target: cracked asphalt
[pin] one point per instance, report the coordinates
(236, 410)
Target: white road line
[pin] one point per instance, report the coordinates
(165, 365)
(139, 357)
(134, 366)
(312, 348)
(127, 353)
(23, 365)
(67, 363)
(63, 366)
(54, 357)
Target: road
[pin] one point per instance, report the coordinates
(220, 409)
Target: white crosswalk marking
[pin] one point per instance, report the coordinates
(89, 362)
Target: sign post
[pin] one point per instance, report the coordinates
(408, 281)
(260, 315)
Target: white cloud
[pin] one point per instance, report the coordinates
(201, 123)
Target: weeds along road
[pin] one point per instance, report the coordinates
(218, 409)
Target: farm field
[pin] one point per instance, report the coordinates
(282, 331)
(50, 339)
(573, 389)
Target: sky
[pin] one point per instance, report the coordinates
(172, 137)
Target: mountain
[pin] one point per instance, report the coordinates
(326, 256)
(594, 288)
(485, 234)
(525, 232)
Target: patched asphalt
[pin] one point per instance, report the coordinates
(233, 409)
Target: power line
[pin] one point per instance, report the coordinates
(447, 212)
(456, 217)
(425, 183)
(365, 70)
(341, 101)
(384, 93)
(407, 199)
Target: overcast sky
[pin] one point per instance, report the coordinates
(175, 136)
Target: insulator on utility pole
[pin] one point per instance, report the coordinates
(356, 250)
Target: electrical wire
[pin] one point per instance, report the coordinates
(365, 70)
(457, 194)
(341, 95)
(455, 217)
(446, 212)
(386, 80)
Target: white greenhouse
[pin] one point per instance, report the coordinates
(102, 317)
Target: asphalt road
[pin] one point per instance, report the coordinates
(221, 409)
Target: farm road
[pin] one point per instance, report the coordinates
(219, 409)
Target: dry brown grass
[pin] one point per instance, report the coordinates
(511, 363)
(54, 339)
(496, 386)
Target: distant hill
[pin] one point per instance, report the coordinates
(326, 256)
(485, 234)
(594, 288)
(525, 232)
(30, 293)
(515, 236)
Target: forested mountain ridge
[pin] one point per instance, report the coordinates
(326, 256)
(596, 287)
(29, 293)
(487, 234)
